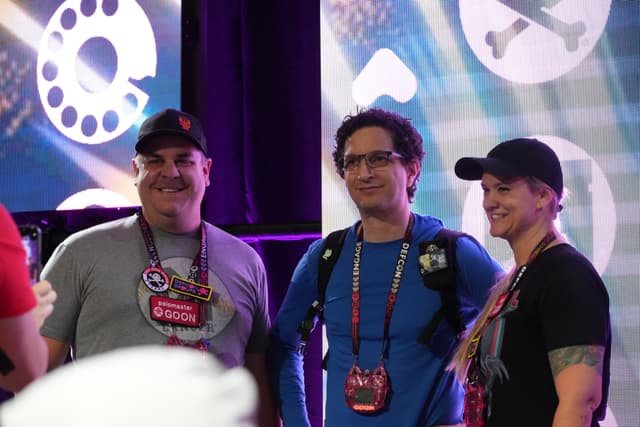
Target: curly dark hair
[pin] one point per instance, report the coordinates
(406, 139)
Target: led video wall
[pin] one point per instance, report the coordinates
(472, 73)
(77, 77)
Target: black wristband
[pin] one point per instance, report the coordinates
(6, 365)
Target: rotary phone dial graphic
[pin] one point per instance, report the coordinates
(94, 117)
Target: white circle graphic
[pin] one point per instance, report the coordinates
(475, 222)
(532, 41)
(82, 115)
(94, 197)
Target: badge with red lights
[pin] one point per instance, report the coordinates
(156, 279)
(202, 344)
(179, 312)
(191, 289)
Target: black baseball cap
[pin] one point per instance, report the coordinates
(172, 122)
(515, 158)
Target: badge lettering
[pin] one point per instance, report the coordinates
(179, 312)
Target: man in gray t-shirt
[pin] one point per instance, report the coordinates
(163, 275)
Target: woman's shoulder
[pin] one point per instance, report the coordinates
(565, 264)
(566, 256)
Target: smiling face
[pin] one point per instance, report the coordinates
(378, 191)
(171, 178)
(514, 209)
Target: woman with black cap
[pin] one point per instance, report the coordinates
(538, 354)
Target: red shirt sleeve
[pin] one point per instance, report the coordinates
(15, 286)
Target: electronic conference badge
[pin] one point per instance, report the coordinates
(156, 279)
(434, 259)
(191, 289)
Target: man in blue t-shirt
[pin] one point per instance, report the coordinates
(377, 304)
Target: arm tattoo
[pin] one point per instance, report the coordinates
(590, 355)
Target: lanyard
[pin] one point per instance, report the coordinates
(502, 299)
(391, 298)
(199, 264)
(477, 400)
(550, 237)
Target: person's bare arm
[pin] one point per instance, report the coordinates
(267, 416)
(58, 352)
(25, 349)
(577, 373)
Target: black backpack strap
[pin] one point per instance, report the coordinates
(437, 262)
(328, 256)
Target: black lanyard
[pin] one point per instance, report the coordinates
(391, 298)
(477, 400)
(199, 264)
(506, 296)
(550, 237)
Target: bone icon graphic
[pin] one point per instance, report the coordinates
(533, 10)
(384, 74)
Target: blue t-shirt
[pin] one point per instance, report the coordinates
(423, 392)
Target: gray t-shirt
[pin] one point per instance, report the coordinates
(103, 304)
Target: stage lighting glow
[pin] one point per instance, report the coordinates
(93, 198)
(76, 79)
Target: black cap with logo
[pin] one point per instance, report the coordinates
(514, 158)
(172, 122)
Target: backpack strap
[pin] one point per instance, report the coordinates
(437, 261)
(328, 256)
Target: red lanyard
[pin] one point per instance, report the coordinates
(199, 264)
(391, 298)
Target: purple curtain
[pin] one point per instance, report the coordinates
(256, 85)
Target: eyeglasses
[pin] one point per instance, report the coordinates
(373, 159)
